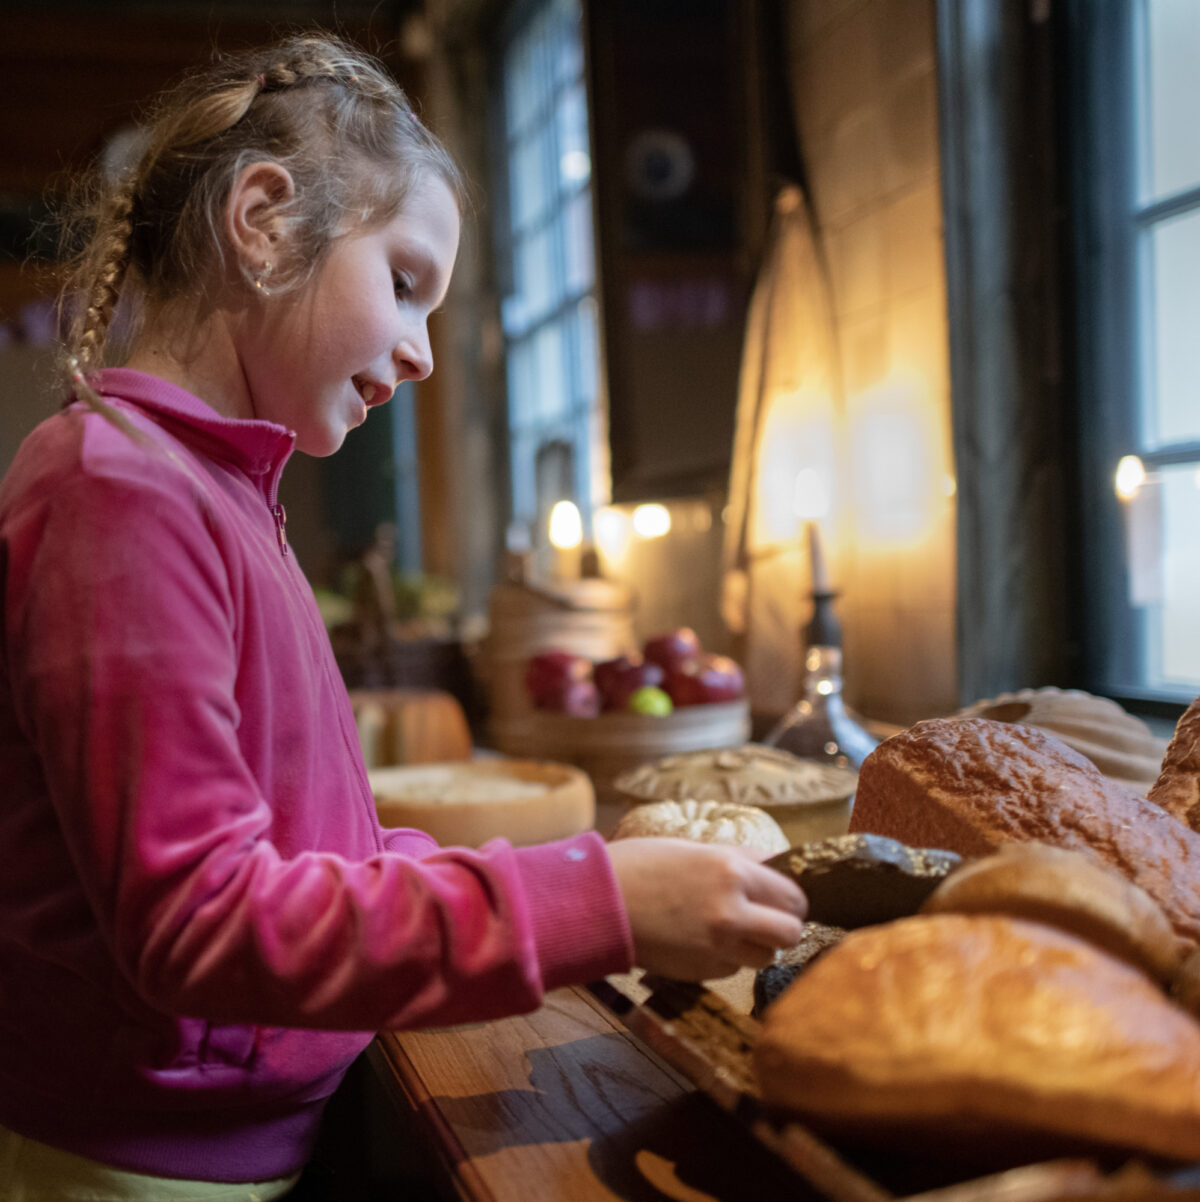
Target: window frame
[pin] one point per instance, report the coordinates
(1113, 331)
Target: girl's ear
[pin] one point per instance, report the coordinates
(252, 221)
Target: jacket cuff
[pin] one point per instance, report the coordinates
(580, 929)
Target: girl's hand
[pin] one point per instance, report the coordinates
(700, 911)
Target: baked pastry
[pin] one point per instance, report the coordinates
(706, 822)
(971, 785)
(749, 775)
(1177, 788)
(1066, 889)
(1121, 745)
(809, 800)
(969, 1036)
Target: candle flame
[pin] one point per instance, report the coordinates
(651, 521)
(566, 526)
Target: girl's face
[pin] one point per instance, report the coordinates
(317, 359)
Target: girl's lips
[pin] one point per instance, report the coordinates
(371, 391)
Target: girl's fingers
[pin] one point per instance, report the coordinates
(771, 929)
(770, 888)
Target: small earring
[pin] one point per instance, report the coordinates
(261, 277)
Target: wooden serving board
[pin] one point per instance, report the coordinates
(707, 1041)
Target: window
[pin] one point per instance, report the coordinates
(557, 440)
(1138, 181)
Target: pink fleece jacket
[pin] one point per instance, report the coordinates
(201, 920)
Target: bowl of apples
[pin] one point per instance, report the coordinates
(609, 716)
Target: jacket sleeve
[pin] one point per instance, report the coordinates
(122, 657)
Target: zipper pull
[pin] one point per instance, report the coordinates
(280, 516)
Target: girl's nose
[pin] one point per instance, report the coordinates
(413, 356)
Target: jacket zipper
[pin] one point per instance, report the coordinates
(280, 516)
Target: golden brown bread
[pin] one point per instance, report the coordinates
(1177, 789)
(972, 785)
(951, 1031)
(1067, 890)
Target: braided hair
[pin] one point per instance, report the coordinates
(327, 112)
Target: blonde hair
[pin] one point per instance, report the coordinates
(326, 111)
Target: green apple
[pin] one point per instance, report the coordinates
(650, 700)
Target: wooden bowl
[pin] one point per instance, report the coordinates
(466, 803)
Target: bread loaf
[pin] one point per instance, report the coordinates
(962, 1034)
(1177, 789)
(972, 785)
(1070, 891)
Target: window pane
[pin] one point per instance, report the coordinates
(536, 280)
(579, 250)
(520, 86)
(529, 186)
(1176, 632)
(551, 400)
(524, 483)
(568, 49)
(587, 353)
(574, 156)
(1172, 409)
(1173, 37)
(522, 385)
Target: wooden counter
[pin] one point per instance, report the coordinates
(565, 1104)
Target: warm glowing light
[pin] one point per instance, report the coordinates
(811, 498)
(651, 521)
(795, 472)
(899, 484)
(1130, 477)
(613, 533)
(566, 526)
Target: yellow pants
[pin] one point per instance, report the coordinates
(34, 1172)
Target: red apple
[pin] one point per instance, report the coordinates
(579, 698)
(618, 679)
(549, 672)
(706, 680)
(673, 649)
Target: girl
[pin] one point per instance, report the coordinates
(201, 921)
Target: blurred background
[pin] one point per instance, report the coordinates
(914, 275)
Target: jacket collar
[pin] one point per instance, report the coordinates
(258, 447)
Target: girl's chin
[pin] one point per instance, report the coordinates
(321, 443)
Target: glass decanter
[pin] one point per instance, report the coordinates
(818, 726)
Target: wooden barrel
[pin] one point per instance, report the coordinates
(591, 617)
(607, 745)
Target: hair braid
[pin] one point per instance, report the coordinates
(115, 228)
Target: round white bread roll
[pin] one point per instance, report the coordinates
(706, 822)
